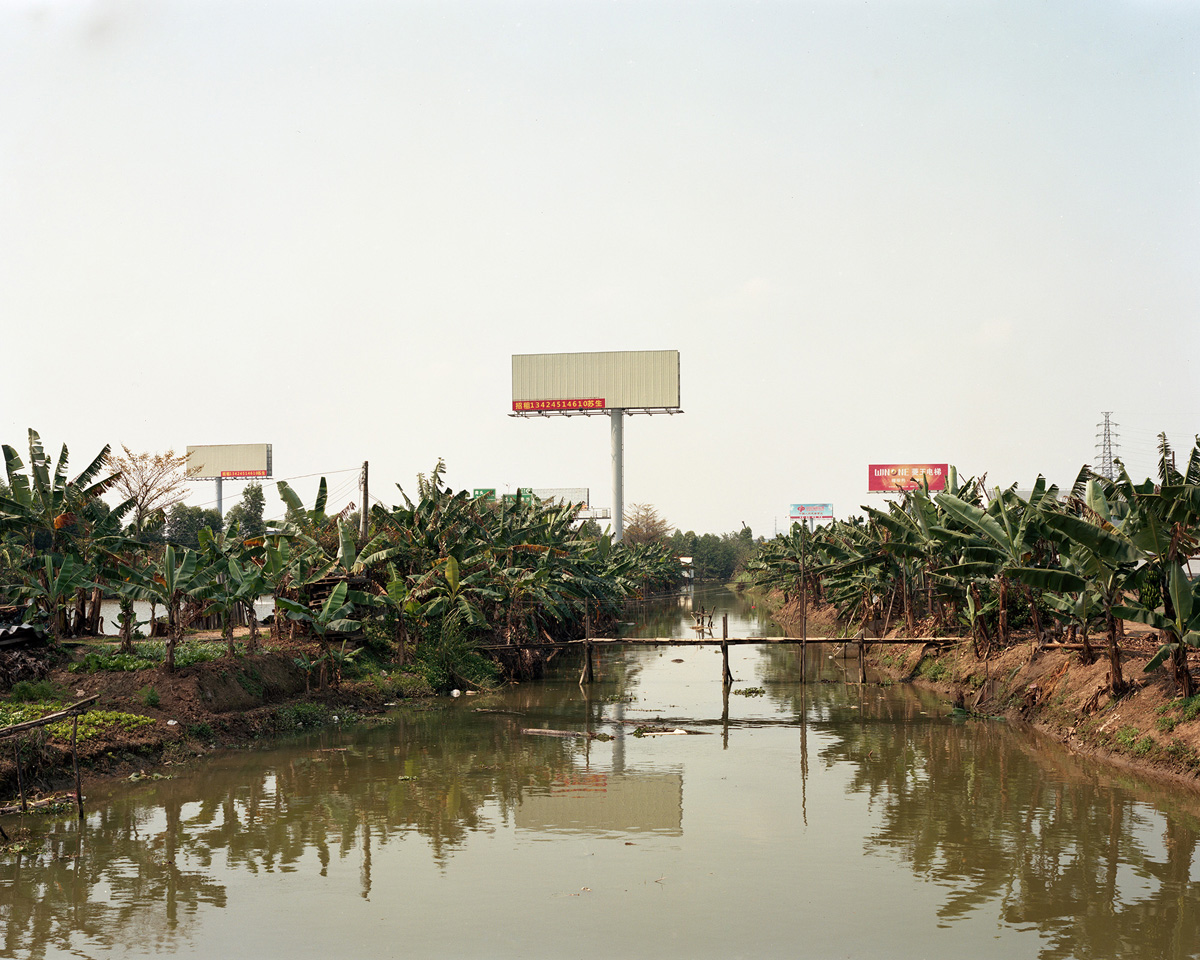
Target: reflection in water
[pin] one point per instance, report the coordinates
(603, 803)
(1003, 820)
(825, 791)
(678, 616)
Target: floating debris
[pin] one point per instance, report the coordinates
(535, 732)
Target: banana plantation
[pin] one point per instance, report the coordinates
(1072, 565)
(434, 577)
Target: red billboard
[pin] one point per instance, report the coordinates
(890, 477)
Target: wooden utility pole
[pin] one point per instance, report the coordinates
(365, 512)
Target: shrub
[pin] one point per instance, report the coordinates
(200, 731)
(32, 691)
(297, 715)
(449, 658)
(149, 696)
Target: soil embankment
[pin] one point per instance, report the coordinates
(1054, 690)
(147, 717)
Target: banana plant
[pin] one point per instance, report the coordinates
(1103, 561)
(333, 616)
(1180, 628)
(250, 582)
(1161, 521)
(1009, 529)
(177, 577)
(40, 510)
(56, 577)
(45, 512)
(292, 564)
(1069, 591)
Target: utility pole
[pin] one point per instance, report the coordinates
(365, 505)
(1107, 437)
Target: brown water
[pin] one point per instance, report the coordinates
(819, 820)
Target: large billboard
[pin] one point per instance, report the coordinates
(229, 460)
(810, 511)
(595, 382)
(890, 477)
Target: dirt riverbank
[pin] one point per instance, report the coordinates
(146, 719)
(1147, 729)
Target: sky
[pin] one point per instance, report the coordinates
(909, 231)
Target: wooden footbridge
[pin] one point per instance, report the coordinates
(705, 638)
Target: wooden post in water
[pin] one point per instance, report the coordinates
(75, 763)
(586, 675)
(862, 661)
(726, 676)
(724, 716)
(20, 779)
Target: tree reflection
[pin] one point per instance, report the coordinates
(998, 817)
(88, 885)
(139, 869)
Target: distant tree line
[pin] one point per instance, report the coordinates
(714, 556)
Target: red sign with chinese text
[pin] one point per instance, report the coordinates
(890, 477)
(243, 473)
(593, 403)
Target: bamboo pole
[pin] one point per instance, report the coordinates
(726, 676)
(20, 779)
(75, 764)
(587, 674)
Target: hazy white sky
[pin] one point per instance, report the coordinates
(883, 231)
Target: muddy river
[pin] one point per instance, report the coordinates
(822, 820)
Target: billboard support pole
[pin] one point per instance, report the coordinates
(220, 512)
(617, 420)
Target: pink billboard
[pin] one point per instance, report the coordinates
(890, 477)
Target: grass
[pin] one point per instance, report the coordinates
(34, 691)
(1170, 715)
(1129, 739)
(933, 670)
(251, 681)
